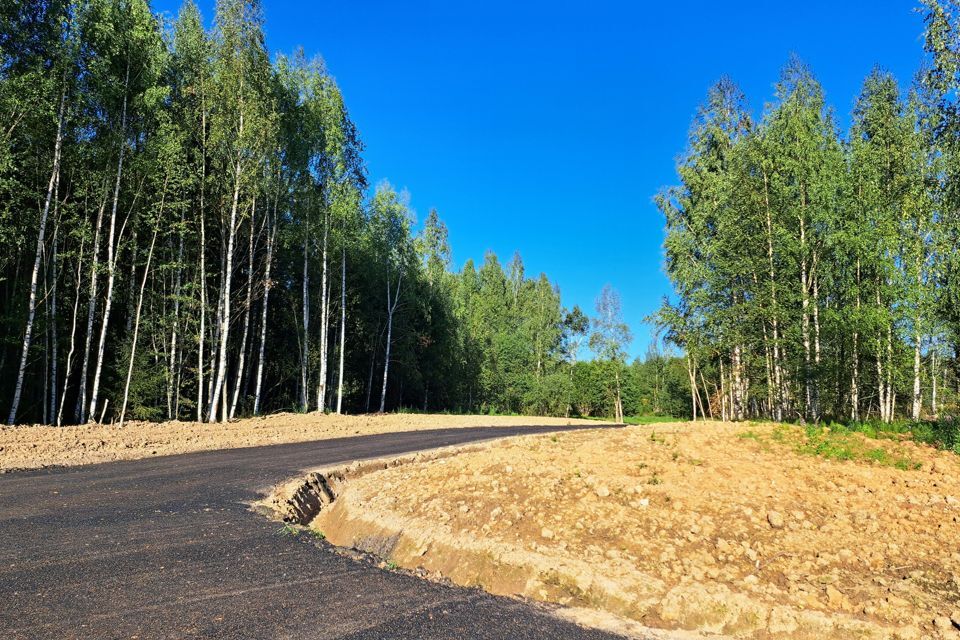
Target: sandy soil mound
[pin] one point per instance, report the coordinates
(708, 527)
(29, 447)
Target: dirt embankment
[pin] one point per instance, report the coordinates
(30, 447)
(707, 528)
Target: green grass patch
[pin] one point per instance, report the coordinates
(638, 420)
(648, 419)
(841, 443)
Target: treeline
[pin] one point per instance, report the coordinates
(815, 272)
(187, 234)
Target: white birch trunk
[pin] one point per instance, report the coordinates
(73, 336)
(706, 392)
(933, 384)
(343, 325)
(32, 299)
(917, 398)
(324, 321)
(693, 388)
(305, 354)
(111, 254)
(53, 336)
(805, 324)
(271, 234)
(80, 412)
(220, 384)
(246, 316)
(778, 375)
(391, 308)
(173, 388)
(203, 265)
(136, 321)
(855, 376)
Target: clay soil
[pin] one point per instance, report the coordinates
(30, 447)
(709, 528)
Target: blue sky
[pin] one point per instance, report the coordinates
(547, 127)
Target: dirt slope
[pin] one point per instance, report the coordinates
(28, 447)
(704, 527)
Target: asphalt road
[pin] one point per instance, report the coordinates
(167, 548)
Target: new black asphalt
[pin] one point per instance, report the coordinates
(167, 548)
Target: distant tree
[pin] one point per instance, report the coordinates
(609, 341)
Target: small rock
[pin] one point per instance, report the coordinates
(775, 519)
(955, 618)
(464, 509)
(836, 599)
(603, 491)
(644, 502)
(546, 533)
(942, 623)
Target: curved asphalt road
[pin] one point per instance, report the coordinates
(166, 548)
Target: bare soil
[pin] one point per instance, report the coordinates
(30, 447)
(710, 528)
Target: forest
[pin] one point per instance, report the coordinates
(188, 233)
(815, 271)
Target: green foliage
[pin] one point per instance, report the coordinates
(811, 267)
(248, 174)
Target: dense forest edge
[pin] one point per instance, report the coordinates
(189, 233)
(816, 273)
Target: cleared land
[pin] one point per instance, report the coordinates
(30, 447)
(746, 530)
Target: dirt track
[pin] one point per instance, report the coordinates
(697, 527)
(30, 447)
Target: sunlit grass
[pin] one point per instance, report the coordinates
(839, 443)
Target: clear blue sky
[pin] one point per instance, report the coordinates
(547, 127)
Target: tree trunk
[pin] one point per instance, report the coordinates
(271, 234)
(53, 336)
(805, 325)
(933, 384)
(73, 336)
(246, 315)
(693, 388)
(891, 392)
(917, 398)
(373, 363)
(706, 392)
(80, 412)
(220, 383)
(724, 398)
(111, 252)
(815, 303)
(778, 374)
(136, 321)
(203, 267)
(343, 324)
(173, 388)
(32, 300)
(324, 321)
(391, 307)
(618, 409)
(739, 396)
(855, 377)
(305, 354)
